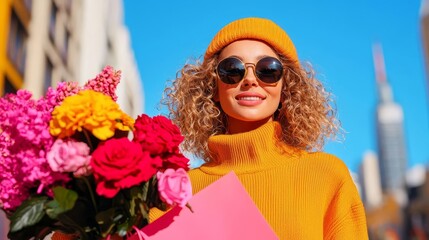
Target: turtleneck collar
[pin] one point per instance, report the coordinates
(248, 152)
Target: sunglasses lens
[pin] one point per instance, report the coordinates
(269, 70)
(231, 70)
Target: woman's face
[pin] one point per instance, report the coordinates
(251, 102)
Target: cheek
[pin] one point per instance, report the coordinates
(276, 98)
(279, 90)
(277, 93)
(225, 99)
(224, 92)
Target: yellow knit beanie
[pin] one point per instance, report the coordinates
(253, 28)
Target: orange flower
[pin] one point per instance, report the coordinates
(90, 110)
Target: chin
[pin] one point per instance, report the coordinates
(252, 118)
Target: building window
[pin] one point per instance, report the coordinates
(17, 49)
(49, 67)
(8, 86)
(53, 21)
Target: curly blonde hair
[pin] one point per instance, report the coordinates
(306, 115)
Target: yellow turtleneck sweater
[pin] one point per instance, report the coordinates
(301, 195)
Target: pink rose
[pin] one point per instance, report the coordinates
(158, 135)
(174, 186)
(69, 156)
(119, 163)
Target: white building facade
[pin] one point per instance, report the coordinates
(74, 40)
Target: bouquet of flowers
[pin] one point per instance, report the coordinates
(74, 162)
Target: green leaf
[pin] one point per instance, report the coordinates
(136, 198)
(29, 213)
(64, 200)
(65, 197)
(145, 190)
(133, 205)
(145, 211)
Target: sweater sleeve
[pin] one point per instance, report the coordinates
(345, 216)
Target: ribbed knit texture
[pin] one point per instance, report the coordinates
(253, 28)
(301, 195)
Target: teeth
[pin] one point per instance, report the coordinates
(250, 98)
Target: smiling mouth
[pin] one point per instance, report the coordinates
(253, 98)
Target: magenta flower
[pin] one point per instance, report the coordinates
(24, 141)
(105, 82)
(65, 89)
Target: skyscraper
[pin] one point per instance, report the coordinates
(390, 134)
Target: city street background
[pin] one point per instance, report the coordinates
(47, 42)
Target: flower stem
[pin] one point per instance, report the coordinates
(88, 139)
(190, 207)
(91, 193)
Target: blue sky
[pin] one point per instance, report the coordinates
(335, 36)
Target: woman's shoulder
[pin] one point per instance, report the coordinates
(331, 172)
(327, 159)
(326, 163)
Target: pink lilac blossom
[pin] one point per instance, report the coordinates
(105, 82)
(9, 187)
(65, 89)
(70, 156)
(24, 141)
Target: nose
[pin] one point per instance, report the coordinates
(250, 77)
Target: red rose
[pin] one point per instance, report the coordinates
(175, 161)
(120, 163)
(158, 135)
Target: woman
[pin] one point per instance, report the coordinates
(252, 108)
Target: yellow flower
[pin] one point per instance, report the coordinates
(90, 110)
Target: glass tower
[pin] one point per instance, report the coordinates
(390, 132)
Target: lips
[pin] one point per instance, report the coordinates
(249, 99)
(250, 96)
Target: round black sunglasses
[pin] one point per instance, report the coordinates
(232, 70)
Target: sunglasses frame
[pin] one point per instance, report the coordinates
(253, 65)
